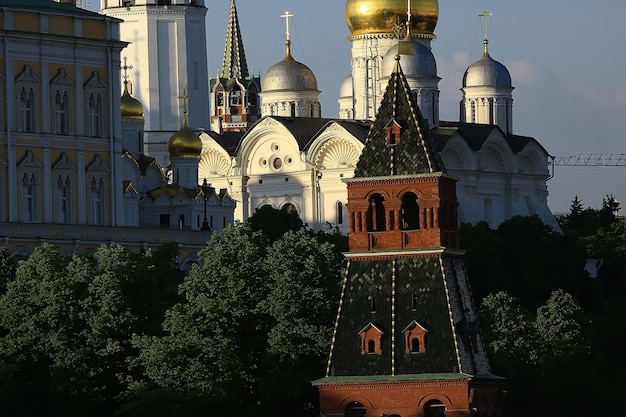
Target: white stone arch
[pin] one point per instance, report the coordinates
(495, 155)
(533, 160)
(457, 155)
(265, 144)
(334, 148)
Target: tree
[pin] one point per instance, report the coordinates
(68, 323)
(561, 325)
(254, 324)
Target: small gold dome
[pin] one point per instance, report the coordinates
(379, 16)
(129, 106)
(184, 143)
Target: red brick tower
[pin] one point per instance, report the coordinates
(406, 340)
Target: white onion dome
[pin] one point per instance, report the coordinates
(422, 63)
(346, 89)
(130, 107)
(184, 143)
(289, 74)
(487, 72)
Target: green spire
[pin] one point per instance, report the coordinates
(234, 65)
(399, 141)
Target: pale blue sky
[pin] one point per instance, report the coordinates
(566, 57)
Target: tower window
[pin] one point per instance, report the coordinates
(410, 212)
(376, 214)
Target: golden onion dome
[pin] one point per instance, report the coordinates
(130, 107)
(184, 143)
(379, 16)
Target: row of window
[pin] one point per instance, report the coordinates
(63, 192)
(62, 99)
(410, 216)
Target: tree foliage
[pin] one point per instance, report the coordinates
(68, 322)
(255, 324)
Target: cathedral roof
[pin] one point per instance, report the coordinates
(304, 129)
(476, 134)
(414, 152)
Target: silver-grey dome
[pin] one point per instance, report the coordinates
(487, 72)
(288, 74)
(421, 64)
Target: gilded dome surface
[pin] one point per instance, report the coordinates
(129, 106)
(184, 143)
(288, 74)
(379, 16)
(487, 72)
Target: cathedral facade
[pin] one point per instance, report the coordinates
(290, 158)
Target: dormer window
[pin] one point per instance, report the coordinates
(392, 133)
(371, 337)
(414, 338)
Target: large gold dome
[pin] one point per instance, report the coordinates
(379, 16)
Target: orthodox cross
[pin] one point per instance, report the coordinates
(185, 97)
(286, 16)
(126, 67)
(485, 14)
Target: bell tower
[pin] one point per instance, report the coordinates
(167, 51)
(406, 340)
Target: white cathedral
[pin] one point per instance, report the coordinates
(263, 140)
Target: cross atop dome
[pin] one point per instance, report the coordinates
(185, 99)
(286, 16)
(485, 14)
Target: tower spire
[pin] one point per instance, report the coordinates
(234, 65)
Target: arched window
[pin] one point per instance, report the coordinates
(355, 409)
(61, 113)
(29, 198)
(339, 212)
(371, 346)
(235, 97)
(289, 208)
(97, 201)
(63, 199)
(434, 408)
(410, 212)
(376, 214)
(415, 345)
(27, 110)
(95, 90)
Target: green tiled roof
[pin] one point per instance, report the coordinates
(422, 276)
(415, 153)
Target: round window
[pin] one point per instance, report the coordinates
(277, 163)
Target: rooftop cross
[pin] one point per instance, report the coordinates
(485, 14)
(286, 16)
(185, 97)
(126, 68)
